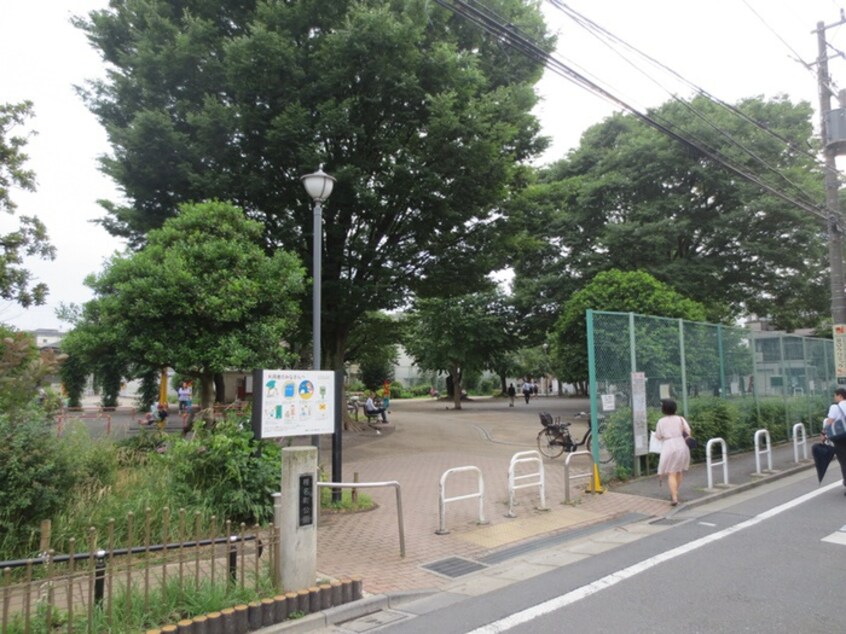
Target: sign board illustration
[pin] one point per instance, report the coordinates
(293, 403)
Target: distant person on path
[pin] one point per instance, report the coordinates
(512, 393)
(371, 408)
(675, 454)
(184, 396)
(527, 391)
(386, 395)
(161, 415)
(837, 411)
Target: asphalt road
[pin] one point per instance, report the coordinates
(767, 560)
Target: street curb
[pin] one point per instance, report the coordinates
(347, 612)
(733, 489)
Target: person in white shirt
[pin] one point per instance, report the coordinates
(837, 411)
(371, 408)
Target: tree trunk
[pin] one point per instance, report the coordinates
(456, 386)
(503, 388)
(206, 391)
(219, 388)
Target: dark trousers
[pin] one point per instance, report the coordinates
(380, 411)
(840, 452)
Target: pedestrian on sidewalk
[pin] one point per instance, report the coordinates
(836, 412)
(527, 391)
(512, 393)
(675, 454)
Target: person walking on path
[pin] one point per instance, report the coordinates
(675, 454)
(512, 393)
(184, 396)
(527, 391)
(837, 411)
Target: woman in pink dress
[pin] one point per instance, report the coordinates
(675, 454)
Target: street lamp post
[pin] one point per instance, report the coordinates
(319, 186)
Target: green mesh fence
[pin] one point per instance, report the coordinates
(728, 381)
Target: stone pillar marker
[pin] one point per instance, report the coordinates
(297, 562)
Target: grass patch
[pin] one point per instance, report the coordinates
(347, 504)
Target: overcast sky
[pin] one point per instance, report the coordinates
(731, 48)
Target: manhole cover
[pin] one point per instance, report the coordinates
(454, 567)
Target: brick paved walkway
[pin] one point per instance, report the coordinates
(423, 441)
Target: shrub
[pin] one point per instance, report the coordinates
(226, 471)
(35, 474)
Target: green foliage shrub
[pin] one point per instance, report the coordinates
(36, 474)
(419, 390)
(91, 463)
(733, 420)
(397, 390)
(226, 471)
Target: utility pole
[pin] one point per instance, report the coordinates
(832, 143)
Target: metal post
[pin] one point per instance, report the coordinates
(317, 246)
(100, 577)
(835, 237)
(233, 558)
(633, 368)
(594, 414)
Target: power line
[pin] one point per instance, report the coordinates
(603, 35)
(510, 35)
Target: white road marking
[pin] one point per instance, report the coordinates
(709, 524)
(529, 614)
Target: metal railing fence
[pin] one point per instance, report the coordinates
(765, 379)
(96, 589)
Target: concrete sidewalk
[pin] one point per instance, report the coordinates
(469, 559)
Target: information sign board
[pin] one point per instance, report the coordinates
(840, 350)
(293, 403)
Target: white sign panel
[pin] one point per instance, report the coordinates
(293, 403)
(608, 402)
(641, 435)
(840, 350)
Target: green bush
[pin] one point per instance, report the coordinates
(419, 390)
(91, 463)
(35, 473)
(397, 390)
(226, 472)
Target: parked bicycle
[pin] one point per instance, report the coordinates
(555, 438)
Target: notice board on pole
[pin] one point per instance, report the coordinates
(641, 432)
(293, 403)
(839, 350)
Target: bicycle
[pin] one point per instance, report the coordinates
(555, 438)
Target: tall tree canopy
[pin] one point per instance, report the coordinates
(30, 239)
(632, 198)
(460, 334)
(424, 120)
(202, 297)
(619, 291)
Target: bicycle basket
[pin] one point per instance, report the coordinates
(546, 419)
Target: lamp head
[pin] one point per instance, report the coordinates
(318, 185)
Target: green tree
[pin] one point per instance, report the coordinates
(424, 119)
(202, 297)
(620, 291)
(373, 345)
(30, 239)
(34, 472)
(458, 335)
(631, 198)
